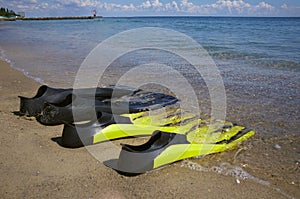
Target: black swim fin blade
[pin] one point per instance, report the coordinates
(33, 106)
(77, 109)
(134, 160)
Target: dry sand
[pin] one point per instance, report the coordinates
(34, 166)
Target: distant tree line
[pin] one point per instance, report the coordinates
(7, 13)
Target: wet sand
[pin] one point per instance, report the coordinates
(34, 166)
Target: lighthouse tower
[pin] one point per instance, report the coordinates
(94, 13)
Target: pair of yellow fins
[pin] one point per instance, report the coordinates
(174, 136)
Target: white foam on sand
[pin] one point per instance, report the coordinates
(230, 170)
(3, 57)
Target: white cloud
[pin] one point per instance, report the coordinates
(186, 7)
(28, 5)
(186, 4)
(96, 4)
(264, 5)
(261, 9)
(79, 3)
(189, 7)
(173, 6)
(146, 4)
(156, 3)
(128, 7)
(232, 6)
(289, 10)
(44, 5)
(24, 7)
(284, 6)
(32, 1)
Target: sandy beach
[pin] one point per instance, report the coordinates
(34, 166)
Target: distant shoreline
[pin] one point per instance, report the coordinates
(51, 18)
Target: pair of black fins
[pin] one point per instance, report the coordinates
(124, 112)
(54, 106)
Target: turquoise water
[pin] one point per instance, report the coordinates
(259, 58)
(41, 47)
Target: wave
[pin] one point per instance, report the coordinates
(3, 57)
(256, 59)
(281, 64)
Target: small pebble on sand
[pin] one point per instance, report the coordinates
(277, 146)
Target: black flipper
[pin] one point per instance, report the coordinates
(33, 106)
(55, 114)
(79, 135)
(135, 160)
(165, 148)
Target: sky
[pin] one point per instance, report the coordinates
(267, 8)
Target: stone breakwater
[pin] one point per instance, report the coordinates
(49, 18)
(59, 18)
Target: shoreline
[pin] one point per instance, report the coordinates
(33, 165)
(3, 58)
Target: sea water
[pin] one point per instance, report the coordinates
(51, 50)
(259, 59)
